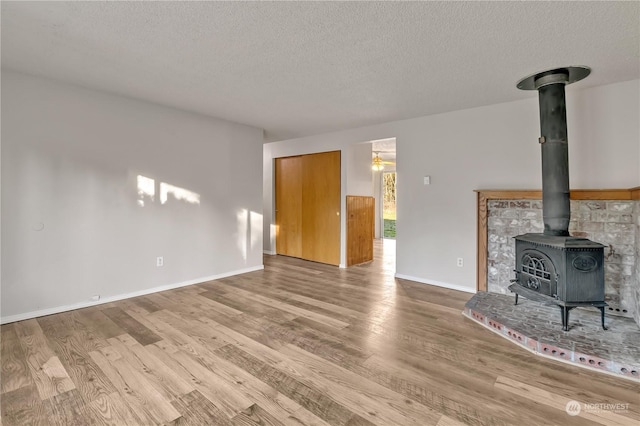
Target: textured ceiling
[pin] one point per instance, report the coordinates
(301, 68)
(384, 148)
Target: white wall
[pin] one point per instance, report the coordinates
(607, 116)
(358, 163)
(72, 226)
(492, 147)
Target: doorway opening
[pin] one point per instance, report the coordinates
(384, 182)
(384, 186)
(389, 204)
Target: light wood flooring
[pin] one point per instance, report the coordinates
(299, 343)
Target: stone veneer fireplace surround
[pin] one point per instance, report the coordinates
(593, 211)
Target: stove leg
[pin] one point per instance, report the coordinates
(602, 317)
(564, 311)
(516, 299)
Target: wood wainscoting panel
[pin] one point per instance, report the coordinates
(484, 195)
(360, 229)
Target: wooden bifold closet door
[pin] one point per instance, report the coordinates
(308, 207)
(289, 206)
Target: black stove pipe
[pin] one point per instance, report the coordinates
(556, 209)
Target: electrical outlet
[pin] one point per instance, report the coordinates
(460, 262)
(160, 261)
(95, 298)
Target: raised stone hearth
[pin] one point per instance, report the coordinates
(537, 328)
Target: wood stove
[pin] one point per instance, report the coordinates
(554, 267)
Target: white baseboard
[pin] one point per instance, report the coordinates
(58, 309)
(436, 283)
(269, 252)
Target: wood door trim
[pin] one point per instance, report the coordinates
(484, 195)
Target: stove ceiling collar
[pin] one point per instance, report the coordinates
(566, 75)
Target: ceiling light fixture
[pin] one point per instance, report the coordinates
(377, 163)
